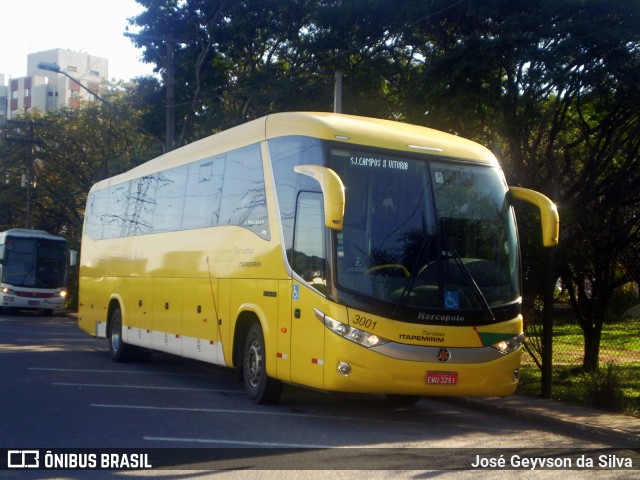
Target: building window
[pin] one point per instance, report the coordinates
(94, 73)
(27, 92)
(71, 68)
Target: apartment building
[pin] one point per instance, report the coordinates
(47, 90)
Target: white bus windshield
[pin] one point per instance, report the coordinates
(425, 234)
(34, 263)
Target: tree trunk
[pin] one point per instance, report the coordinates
(592, 337)
(591, 358)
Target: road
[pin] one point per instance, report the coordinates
(60, 391)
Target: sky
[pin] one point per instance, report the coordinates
(87, 26)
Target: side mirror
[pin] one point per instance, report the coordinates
(548, 213)
(332, 192)
(73, 258)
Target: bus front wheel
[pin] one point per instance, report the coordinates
(260, 388)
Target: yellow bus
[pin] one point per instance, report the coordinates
(323, 250)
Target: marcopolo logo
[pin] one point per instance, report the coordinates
(23, 459)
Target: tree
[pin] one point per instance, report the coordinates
(550, 86)
(235, 61)
(602, 192)
(73, 150)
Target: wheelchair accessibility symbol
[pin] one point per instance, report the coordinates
(451, 300)
(295, 293)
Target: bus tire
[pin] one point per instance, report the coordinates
(120, 351)
(261, 388)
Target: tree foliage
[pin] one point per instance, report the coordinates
(72, 149)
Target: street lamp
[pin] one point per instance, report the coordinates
(55, 68)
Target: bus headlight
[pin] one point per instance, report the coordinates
(8, 290)
(355, 335)
(510, 345)
(61, 293)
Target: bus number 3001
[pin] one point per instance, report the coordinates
(364, 322)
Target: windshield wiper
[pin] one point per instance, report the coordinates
(474, 286)
(446, 253)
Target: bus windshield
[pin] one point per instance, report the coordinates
(425, 234)
(35, 263)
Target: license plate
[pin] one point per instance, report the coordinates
(442, 378)
(34, 302)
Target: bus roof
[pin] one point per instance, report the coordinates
(27, 233)
(348, 129)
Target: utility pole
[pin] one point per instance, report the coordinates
(171, 103)
(547, 326)
(337, 92)
(30, 173)
(30, 176)
(169, 81)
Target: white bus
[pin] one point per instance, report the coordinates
(33, 270)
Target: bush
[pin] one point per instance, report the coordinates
(602, 388)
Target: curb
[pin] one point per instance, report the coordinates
(545, 413)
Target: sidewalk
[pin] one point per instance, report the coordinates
(614, 426)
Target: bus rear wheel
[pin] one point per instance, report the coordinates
(120, 351)
(261, 388)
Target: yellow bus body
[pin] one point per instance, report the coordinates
(195, 292)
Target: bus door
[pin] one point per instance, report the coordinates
(307, 336)
(308, 291)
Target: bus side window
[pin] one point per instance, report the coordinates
(309, 256)
(202, 197)
(169, 199)
(244, 202)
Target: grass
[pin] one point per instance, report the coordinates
(615, 386)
